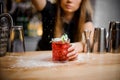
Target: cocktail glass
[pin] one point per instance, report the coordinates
(60, 49)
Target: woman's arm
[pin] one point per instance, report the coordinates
(39, 4)
(78, 47)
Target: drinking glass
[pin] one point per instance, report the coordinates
(60, 49)
(17, 43)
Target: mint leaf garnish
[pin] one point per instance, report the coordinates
(64, 37)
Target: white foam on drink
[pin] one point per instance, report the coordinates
(56, 39)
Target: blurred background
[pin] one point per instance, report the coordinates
(24, 13)
(105, 11)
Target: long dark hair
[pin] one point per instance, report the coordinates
(84, 8)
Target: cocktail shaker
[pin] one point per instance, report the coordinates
(99, 41)
(5, 24)
(114, 37)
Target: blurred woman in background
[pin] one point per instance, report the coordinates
(65, 16)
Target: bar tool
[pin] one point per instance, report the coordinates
(87, 37)
(99, 41)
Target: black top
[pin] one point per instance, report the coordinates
(48, 19)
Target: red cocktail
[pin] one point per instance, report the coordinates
(60, 49)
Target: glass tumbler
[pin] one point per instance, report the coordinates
(17, 43)
(60, 49)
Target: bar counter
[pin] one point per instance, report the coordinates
(38, 65)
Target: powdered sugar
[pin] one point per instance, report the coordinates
(33, 62)
(43, 60)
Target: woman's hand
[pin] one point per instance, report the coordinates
(74, 49)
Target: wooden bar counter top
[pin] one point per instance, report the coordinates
(38, 65)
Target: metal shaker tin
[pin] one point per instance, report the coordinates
(99, 41)
(114, 37)
(5, 24)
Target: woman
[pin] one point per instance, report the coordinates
(66, 16)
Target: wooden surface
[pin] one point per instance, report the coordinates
(39, 66)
